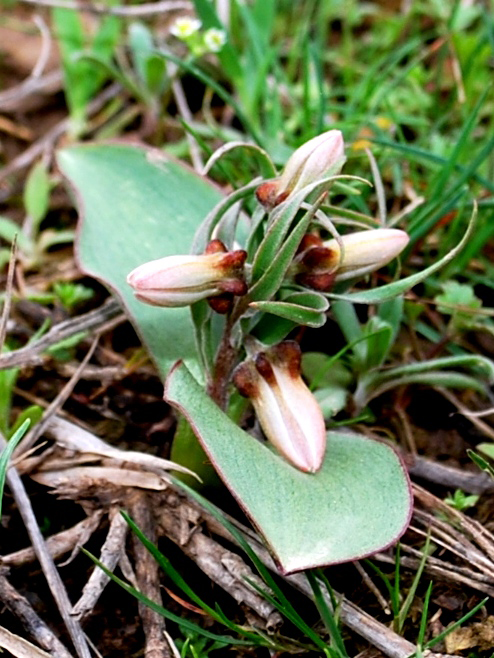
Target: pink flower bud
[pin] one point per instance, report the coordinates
(321, 156)
(287, 411)
(366, 251)
(183, 280)
(322, 264)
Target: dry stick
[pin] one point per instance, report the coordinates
(59, 544)
(370, 584)
(475, 530)
(147, 575)
(455, 543)
(454, 568)
(50, 571)
(183, 108)
(29, 354)
(26, 87)
(478, 532)
(12, 99)
(146, 9)
(222, 566)
(34, 625)
(51, 574)
(448, 476)
(110, 555)
(8, 294)
(465, 412)
(25, 158)
(19, 647)
(443, 572)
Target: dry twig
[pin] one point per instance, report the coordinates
(147, 575)
(34, 625)
(132, 11)
(58, 544)
(111, 553)
(50, 571)
(29, 355)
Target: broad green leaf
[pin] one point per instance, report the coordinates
(137, 205)
(358, 503)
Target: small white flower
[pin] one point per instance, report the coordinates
(214, 40)
(185, 26)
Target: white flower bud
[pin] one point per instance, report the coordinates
(287, 411)
(183, 280)
(366, 251)
(319, 157)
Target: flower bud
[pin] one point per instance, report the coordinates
(321, 265)
(287, 411)
(323, 155)
(183, 280)
(366, 251)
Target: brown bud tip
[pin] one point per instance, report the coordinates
(322, 282)
(221, 304)
(319, 258)
(288, 355)
(245, 379)
(309, 240)
(233, 286)
(234, 259)
(281, 197)
(267, 192)
(265, 369)
(215, 247)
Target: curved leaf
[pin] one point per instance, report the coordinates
(390, 290)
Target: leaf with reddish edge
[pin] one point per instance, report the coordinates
(358, 503)
(136, 205)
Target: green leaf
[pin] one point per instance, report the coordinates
(33, 414)
(308, 309)
(358, 503)
(10, 230)
(459, 301)
(137, 205)
(37, 193)
(379, 338)
(6, 454)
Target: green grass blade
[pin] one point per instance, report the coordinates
(457, 624)
(183, 623)
(326, 615)
(405, 608)
(7, 454)
(423, 618)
